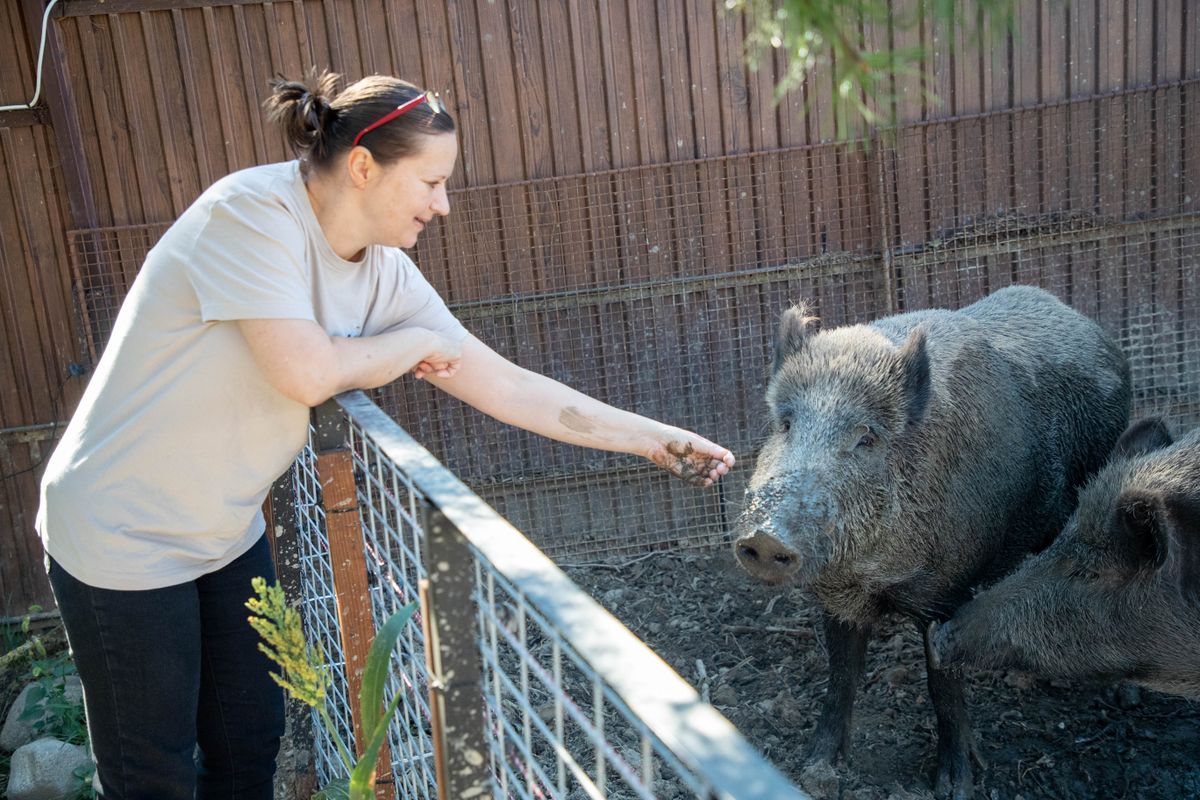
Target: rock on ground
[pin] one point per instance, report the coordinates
(45, 770)
(16, 731)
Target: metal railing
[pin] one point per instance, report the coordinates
(515, 683)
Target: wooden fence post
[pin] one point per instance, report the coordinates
(455, 694)
(335, 468)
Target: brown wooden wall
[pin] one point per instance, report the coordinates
(152, 100)
(38, 332)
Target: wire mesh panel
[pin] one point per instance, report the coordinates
(104, 262)
(576, 706)
(1095, 201)
(319, 610)
(657, 289)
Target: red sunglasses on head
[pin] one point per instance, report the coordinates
(398, 111)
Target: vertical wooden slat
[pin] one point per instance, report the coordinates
(339, 497)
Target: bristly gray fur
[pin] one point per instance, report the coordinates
(977, 462)
(1117, 596)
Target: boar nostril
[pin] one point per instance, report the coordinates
(783, 559)
(748, 552)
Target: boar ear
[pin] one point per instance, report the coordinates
(795, 327)
(1142, 437)
(1182, 523)
(1141, 520)
(914, 370)
(1164, 532)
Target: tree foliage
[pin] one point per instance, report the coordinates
(831, 34)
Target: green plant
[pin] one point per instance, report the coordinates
(47, 707)
(306, 678)
(14, 634)
(832, 32)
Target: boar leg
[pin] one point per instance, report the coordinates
(956, 743)
(847, 646)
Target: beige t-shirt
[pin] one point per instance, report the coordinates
(161, 474)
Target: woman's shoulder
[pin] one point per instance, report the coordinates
(266, 182)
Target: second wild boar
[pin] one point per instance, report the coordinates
(1117, 596)
(917, 457)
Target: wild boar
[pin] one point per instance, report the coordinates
(915, 458)
(1117, 595)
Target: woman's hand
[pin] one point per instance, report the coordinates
(443, 358)
(691, 457)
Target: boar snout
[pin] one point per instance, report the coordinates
(766, 557)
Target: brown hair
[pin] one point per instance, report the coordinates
(320, 123)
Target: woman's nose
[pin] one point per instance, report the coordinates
(441, 202)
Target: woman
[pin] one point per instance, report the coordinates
(281, 286)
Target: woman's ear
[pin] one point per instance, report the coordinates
(360, 165)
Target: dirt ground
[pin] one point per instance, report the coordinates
(763, 654)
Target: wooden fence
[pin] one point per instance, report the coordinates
(603, 145)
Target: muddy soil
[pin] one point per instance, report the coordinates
(763, 654)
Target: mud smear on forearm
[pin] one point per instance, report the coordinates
(574, 420)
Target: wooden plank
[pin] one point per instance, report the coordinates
(227, 45)
(562, 101)
(1143, 55)
(179, 170)
(55, 273)
(680, 130)
(911, 190)
(217, 75)
(910, 86)
(1190, 124)
(1112, 45)
(351, 590)
(25, 117)
(1085, 71)
(1168, 161)
(1170, 35)
(84, 8)
(113, 172)
(24, 309)
(206, 171)
(1112, 148)
(1054, 54)
(372, 39)
(254, 54)
(141, 130)
(1139, 154)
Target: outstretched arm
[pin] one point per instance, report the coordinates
(511, 394)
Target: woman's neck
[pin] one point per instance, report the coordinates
(338, 217)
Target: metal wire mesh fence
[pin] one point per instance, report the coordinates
(563, 700)
(657, 288)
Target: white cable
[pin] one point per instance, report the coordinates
(37, 90)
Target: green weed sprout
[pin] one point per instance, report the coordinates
(306, 678)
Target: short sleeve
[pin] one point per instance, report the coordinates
(248, 262)
(411, 302)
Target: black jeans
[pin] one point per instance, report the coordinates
(168, 669)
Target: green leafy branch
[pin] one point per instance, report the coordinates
(830, 33)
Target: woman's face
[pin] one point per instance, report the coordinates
(412, 191)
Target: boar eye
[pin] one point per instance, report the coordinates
(866, 438)
(785, 425)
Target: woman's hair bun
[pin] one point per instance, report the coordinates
(304, 109)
